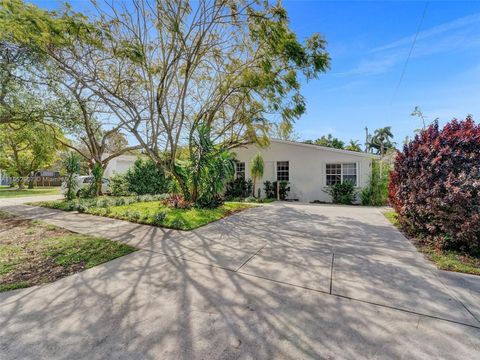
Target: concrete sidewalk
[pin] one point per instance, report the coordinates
(280, 281)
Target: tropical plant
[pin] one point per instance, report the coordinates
(342, 193)
(380, 142)
(353, 145)
(256, 169)
(328, 141)
(376, 193)
(434, 187)
(238, 188)
(209, 169)
(72, 167)
(269, 189)
(145, 177)
(283, 189)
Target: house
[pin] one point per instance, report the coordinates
(119, 165)
(309, 169)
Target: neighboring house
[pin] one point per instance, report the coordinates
(309, 169)
(120, 165)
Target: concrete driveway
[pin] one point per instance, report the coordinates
(279, 281)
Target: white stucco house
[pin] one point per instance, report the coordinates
(120, 165)
(309, 169)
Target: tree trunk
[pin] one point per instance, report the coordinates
(21, 183)
(253, 188)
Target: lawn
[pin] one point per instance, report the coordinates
(8, 192)
(444, 260)
(32, 252)
(149, 212)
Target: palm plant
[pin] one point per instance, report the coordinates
(353, 146)
(256, 169)
(381, 140)
(210, 168)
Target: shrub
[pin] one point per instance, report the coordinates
(342, 193)
(435, 186)
(238, 188)
(176, 201)
(144, 177)
(283, 189)
(376, 193)
(72, 168)
(119, 185)
(88, 192)
(159, 217)
(270, 192)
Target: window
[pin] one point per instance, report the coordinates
(283, 171)
(334, 174)
(339, 173)
(240, 170)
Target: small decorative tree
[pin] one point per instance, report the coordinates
(256, 169)
(434, 186)
(72, 167)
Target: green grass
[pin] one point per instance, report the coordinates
(153, 212)
(51, 253)
(443, 259)
(73, 252)
(7, 192)
(76, 248)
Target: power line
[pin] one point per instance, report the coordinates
(410, 52)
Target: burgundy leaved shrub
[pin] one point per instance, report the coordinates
(435, 186)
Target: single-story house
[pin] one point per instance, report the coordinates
(309, 169)
(119, 165)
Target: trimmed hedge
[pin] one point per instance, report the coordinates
(435, 186)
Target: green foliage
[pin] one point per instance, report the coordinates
(353, 145)
(97, 172)
(376, 192)
(381, 141)
(26, 148)
(342, 193)
(72, 167)
(238, 188)
(256, 169)
(209, 169)
(119, 185)
(145, 177)
(328, 141)
(270, 190)
(283, 189)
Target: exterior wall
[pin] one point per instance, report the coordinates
(307, 165)
(119, 165)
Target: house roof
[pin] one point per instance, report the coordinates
(325, 148)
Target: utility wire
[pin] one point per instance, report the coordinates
(410, 53)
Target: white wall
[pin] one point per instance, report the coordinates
(307, 165)
(119, 165)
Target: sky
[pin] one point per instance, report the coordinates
(369, 43)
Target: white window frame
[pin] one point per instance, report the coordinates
(341, 171)
(244, 170)
(276, 169)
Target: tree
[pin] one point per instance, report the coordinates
(25, 148)
(328, 141)
(381, 140)
(72, 168)
(166, 68)
(353, 146)
(434, 187)
(256, 169)
(283, 131)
